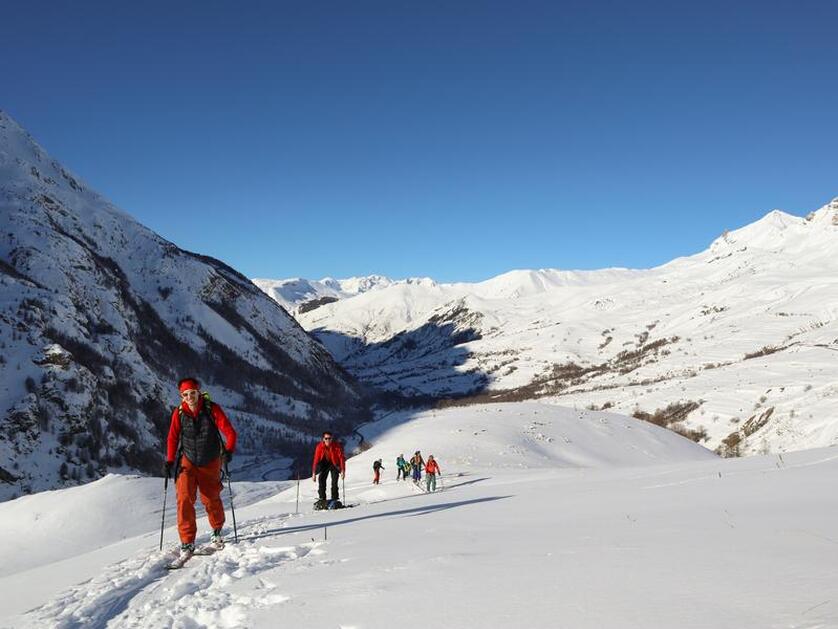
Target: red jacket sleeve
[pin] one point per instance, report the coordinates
(318, 454)
(174, 437)
(225, 427)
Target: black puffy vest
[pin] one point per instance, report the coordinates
(199, 438)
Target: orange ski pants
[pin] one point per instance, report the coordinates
(206, 480)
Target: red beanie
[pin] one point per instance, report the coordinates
(189, 383)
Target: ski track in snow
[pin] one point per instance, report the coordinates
(141, 592)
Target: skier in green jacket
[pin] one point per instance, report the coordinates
(401, 467)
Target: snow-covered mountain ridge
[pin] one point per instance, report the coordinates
(739, 342)
(99, 318)
(298, 295)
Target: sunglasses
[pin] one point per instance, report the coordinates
(327, 438)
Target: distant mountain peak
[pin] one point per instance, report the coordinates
(827, 215)
(780, 230)
(298, 293)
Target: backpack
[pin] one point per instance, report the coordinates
(208, 403)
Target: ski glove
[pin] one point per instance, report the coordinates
(167, 468)
(226, 456)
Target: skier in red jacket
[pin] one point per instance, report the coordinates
(431, 471)
(194, 452)
(328, 459)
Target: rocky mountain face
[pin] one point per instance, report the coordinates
(735, 347)
(99, 318)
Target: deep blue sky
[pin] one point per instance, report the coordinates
(454, 139)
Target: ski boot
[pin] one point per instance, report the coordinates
(216, 540)
(186, 552)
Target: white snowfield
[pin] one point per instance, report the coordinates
(545, 517)
(745, 330)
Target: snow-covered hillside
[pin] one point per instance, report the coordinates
(737, 345)
(99, 318)
(547, 517)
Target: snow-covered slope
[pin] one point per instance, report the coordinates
(546, 517)
(743, 336)
(99, 318)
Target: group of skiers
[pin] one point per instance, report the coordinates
(201, 441)
(414, 467)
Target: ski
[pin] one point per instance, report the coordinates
(343, 506)
(208, 549)
(179, 562)
(328, 506)
(201, 551)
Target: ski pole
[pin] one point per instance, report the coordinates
(298, 492)
(232, 508)
(343, 484)
(163, 517)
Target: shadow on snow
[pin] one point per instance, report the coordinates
(415, 511)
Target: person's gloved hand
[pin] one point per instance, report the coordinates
(227, 456)
(167, 468)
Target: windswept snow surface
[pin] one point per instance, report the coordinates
(546, 517)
